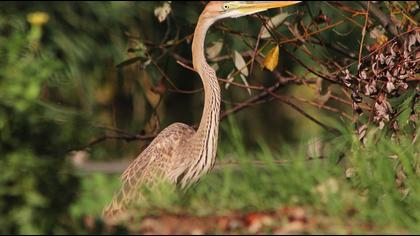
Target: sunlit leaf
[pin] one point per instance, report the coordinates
(215, 66)
(272, 58)
(273, 23)
(38, 18)
(214, 50)
(230, 79)
(163, 11)
(246, 83)
(240, 63)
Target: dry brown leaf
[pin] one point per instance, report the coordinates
(256, 221)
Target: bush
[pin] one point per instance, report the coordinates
(36, 184)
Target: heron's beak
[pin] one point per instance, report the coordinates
(251, 7)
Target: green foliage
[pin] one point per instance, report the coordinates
(353, 184)
(36, 184)
(52, 71)
(24, 69)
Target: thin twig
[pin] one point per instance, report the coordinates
(285, 100)
(364, 32)
(225, 80)
(381, 17)
(126, 137)
(323, 106)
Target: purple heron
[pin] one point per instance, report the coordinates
(179, 154)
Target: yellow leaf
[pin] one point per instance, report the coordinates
(272, 58)
(38, 18)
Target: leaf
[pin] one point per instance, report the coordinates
(214, 50)
(404, 117)
(163, 11)
(38, 18)
(272, 58)
(215, 66)
(273, 23)
(246, 83)
(230, 79)
(240, 63)
(128, 62)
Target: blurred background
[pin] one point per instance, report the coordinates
(79, 81)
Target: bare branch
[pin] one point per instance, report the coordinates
(381, 17)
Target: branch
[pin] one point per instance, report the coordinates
(124, 136)
(381, 17)
(364, 32)
(298, 109)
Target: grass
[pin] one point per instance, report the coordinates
(353, 185)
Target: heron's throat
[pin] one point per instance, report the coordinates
(198, 56)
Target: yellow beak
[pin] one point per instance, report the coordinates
(258, 6)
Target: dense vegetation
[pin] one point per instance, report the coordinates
(79, 80)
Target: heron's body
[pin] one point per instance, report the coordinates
(179, 154)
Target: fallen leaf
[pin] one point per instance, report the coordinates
(272, 58)
(295, 227)
(256, 221)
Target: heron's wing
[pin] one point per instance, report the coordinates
(150, 166)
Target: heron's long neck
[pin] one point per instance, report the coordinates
(207, 133)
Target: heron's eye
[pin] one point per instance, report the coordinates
(225, 7)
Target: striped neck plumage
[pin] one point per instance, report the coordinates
(207, 134)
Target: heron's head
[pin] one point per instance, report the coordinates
(233, 9)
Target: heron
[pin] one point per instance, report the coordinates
(179, 154)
